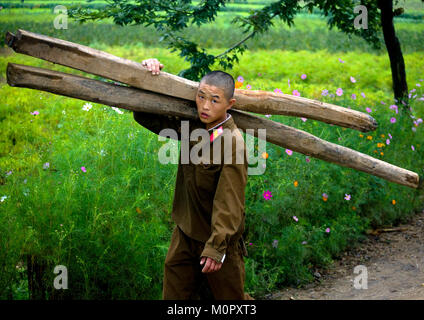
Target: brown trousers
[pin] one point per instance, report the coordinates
(183, 278)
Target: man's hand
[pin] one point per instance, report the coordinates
(211, 265)
(153, 65)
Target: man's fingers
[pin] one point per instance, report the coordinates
(207, 265)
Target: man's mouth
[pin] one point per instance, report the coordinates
(204, 115)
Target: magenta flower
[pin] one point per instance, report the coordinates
(307, 159)
(288, 82)
(412, 147)
(277, 90)
(353, 96)
(382, 102)
(339, 91)
(303, 76)
(304, 119)
(352, 79)
(267, 115)
(248, 86)
(363, 95)
(83, 169)
(289, 152)
(388, 141)
(324, 92)
(295, 218)
(390, 136)
(393, 106)
(267, 195)
(325, 195)
(347, 196)
(341, 61)
(240, 79)
(327, 230)
(392, 119)
(250, 243)
(368, 110)
(296, 93)
(35, 113)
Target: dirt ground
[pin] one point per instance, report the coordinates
(394, 262)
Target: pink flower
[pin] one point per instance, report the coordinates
(35, 113)
(325, 195)
(307, 159)
(418, 85)
(390, 136)
(327, 230)
(304, 242)
(288, 82)
(267, 115)
(341, 61)
(324, 92)
(395, 107)
(250, 243)
(352, 79)
(277, 90)
(363, 94)
(289, 152)
(240, 79)
(304, 119)
(412, 147)
(353, 96)
(347, 196)
(392, 119)
(267, 195)
(382, 102)
(388, 141)
(368, 110)
(83, 169)
(303, 76)
(339, 91)
(248, 86)
(295, 218)
(296, 93)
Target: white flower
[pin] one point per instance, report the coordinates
(87, 106)
(46, 165)
(3, 198)
(117, 110)
(63, 112)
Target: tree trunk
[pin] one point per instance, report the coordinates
(397, 64)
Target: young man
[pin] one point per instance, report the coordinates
(208, 206)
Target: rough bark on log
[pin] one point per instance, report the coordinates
(134, 74)
(141, 100)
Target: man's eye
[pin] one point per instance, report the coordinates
(200, 97)
(214, 100)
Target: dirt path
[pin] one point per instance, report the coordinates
(395, 267)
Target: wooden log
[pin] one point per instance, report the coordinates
(134, 74)
(147, 101)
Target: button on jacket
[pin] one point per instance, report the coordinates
(209, 198)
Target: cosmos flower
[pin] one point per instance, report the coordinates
(278, 90)
(307, 159)
(46, 165)
(347, 196)
(339, 91)
(413, 148)
(392, 119)
(303, 76)
(304, 119)
(388, 141)
(87, 107)
(352, 79)
(248, 87)
(390, 136)
(267, 195)
(240, 79)
(353, 96)
(267, 115)
(295, 218)
(324, 92)
(324, 196)
(34, 113)
(83, 169)
(289, 152)
(341, 61)
(363, 95)
(368, 110)
(296, 93)
(327, 230)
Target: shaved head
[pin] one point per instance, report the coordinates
(221, 80)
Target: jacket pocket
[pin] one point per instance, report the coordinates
(207, 176)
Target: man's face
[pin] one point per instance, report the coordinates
(211, 104)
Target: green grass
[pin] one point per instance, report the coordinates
(111, 225)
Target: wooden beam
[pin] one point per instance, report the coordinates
(147, 101)
(106, 65)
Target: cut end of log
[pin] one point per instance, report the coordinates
(10, 39)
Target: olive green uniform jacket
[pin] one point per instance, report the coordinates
(209, 198)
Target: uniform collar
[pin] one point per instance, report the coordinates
(217, 130)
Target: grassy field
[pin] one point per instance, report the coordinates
(84, 189)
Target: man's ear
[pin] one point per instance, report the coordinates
(231, 103)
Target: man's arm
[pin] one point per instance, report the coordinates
(228, 207)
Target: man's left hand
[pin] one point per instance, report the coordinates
(211, 265)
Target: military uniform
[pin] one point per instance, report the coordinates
(208, 210)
